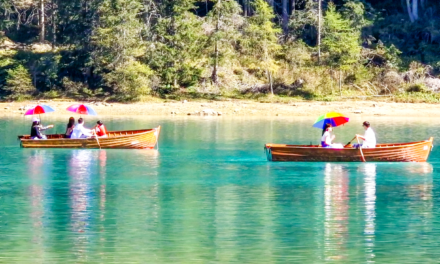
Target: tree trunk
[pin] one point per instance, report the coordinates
(245, 8)
(408, 8)
(415, 9)
(293, 7)
(214, 75)
(319, 29)
(42, 23)
(285, 16)
(271, 82)
(54, 24)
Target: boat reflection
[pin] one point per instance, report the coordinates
(336, 209)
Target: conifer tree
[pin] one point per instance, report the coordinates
(118, 36)
(341, 41)
(260, 43)
(19, 83)
(225, 19)
(119, 47)
(177, 53)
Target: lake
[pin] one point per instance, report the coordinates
(208, 195)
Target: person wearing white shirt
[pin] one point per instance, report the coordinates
(327, 137)
(369, 137)
(80, 131)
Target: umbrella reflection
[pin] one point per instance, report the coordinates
(336, 211)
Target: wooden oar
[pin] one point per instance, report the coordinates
(360, 148)
(97, 140)
(350, 142)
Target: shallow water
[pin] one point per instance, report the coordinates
(208, 195)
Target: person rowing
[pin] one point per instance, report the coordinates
(37, 128)
(369, 138)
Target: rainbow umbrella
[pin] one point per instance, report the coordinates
(333, 118)
(39, 109)
(82, 109)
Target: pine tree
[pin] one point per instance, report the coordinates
(341, 41)
(177, 54)
(118, 37)
(260, 42)
(19, 83)
(225, 19)
(119, 47)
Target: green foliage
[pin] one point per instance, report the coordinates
(392, 55)
(417, 88)
(354, 11)
(130, 81)
(259, 45)
(224, 22)
(341, 41)
(177, 55)
(18, 83)
(118, 37)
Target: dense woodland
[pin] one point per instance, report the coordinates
(129, 50)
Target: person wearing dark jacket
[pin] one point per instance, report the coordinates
(37, 128)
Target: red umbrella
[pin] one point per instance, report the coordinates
(82, 109)
(40, 109)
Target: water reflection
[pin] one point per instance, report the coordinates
(37, 164)
(369, 172)
(336, 208)
(80, 170)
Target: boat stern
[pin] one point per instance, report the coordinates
(268, 151)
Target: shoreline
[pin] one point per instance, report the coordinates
(235, 108)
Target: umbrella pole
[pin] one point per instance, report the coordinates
(360, 148)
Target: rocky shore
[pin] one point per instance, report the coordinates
(230, 108)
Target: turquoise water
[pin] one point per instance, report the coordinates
(208, 195)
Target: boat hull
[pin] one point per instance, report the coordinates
(135, 139)
(406, 152)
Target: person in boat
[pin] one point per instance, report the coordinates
(70, 127)
(327, 137)
(37, 128)
(369, 137)
(100, 129)
(80, 131)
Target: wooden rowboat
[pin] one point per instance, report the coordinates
(134, 139)
(403, 152)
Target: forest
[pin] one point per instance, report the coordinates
(133, 50)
